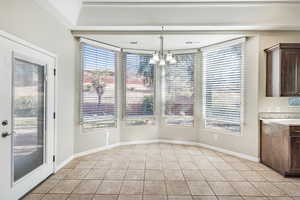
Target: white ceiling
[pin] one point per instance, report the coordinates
(215, 13)
(67, 11)
(69, 8)
(171, 42)
(209, 15)
(200, 1)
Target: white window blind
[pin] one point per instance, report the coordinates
(178, 90)
(139, 84)
(98, 86)
(223, 76)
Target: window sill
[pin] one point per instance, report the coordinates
(165, 125)
(87, 131)
(220, 131)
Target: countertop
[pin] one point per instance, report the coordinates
(279, 115)
(291, 122)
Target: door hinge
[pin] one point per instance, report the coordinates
(54, 72)
(54, 115)
(53, 158)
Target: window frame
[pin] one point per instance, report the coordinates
(116, 50)
(204, 50)
(125, 117)
(163, 100)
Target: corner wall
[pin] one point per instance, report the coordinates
(28, 21)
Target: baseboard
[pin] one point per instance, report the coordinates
(240, 155)
(140, 142)
(84, 153)
(233, 153)
(179, 142)
(64, 163)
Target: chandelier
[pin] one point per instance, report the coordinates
(160, 57)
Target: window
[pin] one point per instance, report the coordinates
(98, 86)
(223, 87)
(178, 91)
(139, 92)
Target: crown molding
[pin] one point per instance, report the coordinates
(178, 29)
(186, 3)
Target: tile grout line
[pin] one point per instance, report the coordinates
(182, 150)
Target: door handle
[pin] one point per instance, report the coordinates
(5, 134)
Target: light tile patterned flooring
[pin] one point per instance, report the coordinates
(162, 171)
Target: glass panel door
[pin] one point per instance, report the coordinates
(28, 117)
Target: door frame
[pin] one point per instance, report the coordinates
(16, 54)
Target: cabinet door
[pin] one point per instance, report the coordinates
(266, 144)
(290, 72)
(295, 153)
(298, 75)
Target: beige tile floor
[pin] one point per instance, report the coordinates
(165, 172)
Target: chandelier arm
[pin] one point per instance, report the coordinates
(161, 47)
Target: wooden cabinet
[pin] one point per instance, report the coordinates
(283, 70)
(295, 152)
(280, 147)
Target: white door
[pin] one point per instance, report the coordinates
(26, 117)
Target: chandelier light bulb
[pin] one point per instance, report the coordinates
(169, 57)
(152, 61)
(155, 57)
(162, 62)
(173, 61)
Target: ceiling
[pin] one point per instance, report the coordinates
(198, 15)
(171, 42)
(247, 14)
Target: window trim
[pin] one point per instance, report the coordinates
(104, 46)
(163, 100)
(124, 88)
(204, 50)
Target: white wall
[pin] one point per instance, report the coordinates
(28, 21)
(268, 39)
